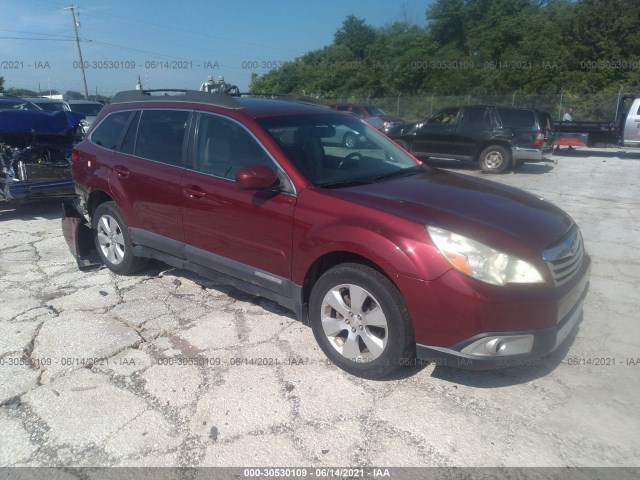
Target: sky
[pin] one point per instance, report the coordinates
(171, 44)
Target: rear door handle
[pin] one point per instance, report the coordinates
(194, 191)
(121, 171)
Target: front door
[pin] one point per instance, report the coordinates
(244, 233)
(435, 135)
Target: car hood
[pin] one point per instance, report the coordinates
(502, 217)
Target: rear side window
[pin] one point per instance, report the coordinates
(110, 129)
(517, 118)
(476, 117)
(161, 135)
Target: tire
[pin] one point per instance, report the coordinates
(113, 241)
(350, 140)
(494, 159)
(371, 339)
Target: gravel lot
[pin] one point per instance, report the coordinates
(86, 373)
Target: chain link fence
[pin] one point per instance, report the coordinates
(587, 107)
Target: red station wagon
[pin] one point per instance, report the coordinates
(386, 258)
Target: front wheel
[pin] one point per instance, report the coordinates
(494, 159)
(113, 241)
(350, 140)
(361, 322)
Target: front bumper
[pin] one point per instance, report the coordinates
(453, 313)
(545, 341)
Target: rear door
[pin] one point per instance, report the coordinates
(147, 173)
(243, 233)
(474, 127)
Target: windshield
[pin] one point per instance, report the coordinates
(91, 109)
(338, 150)
(375, 111)
(52, 106)
(17, 105)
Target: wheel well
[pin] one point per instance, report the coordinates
(500, 143)
(328, 261)
(96, 199)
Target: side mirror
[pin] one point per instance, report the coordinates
(259, 177)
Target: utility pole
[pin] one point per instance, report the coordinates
(75, 28)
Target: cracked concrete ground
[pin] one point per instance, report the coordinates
(165, 368)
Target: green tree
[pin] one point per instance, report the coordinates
(22, 92)
(355, 35)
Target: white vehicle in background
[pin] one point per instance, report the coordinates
(89, 108)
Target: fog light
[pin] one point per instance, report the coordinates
(500, 346)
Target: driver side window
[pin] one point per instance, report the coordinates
(224, 147)
(446, 117)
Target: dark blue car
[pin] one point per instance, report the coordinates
(35, 151)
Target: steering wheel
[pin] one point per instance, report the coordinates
(349, 158)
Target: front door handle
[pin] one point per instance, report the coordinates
(194, 191)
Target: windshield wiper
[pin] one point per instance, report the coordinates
(398, 173)
(344, 183)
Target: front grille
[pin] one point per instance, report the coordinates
(564, 258)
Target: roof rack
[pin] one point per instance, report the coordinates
(290, 97)
(217, 99)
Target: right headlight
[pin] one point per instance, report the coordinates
(482, 262)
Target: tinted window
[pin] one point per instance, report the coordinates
(86, 108)
(110, 129)
(129, 141)
(446, 117)
(51, 106)
(223, 147)
(516, 118)
(373, 111)
(161, 135)
(476, 117)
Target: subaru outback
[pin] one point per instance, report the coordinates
(388, 259)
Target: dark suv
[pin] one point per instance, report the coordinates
(388, 259)
(496, 137)
(371, 114)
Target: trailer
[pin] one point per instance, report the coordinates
(623, 131)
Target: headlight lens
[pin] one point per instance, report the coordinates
(482, 262)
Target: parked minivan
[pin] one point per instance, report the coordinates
(386, 258)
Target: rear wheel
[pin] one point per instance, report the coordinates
(494, 159)
(360, 321)
(113, 241)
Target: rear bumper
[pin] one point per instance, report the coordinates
(79, 237)
(531, 154)
(31, 191)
